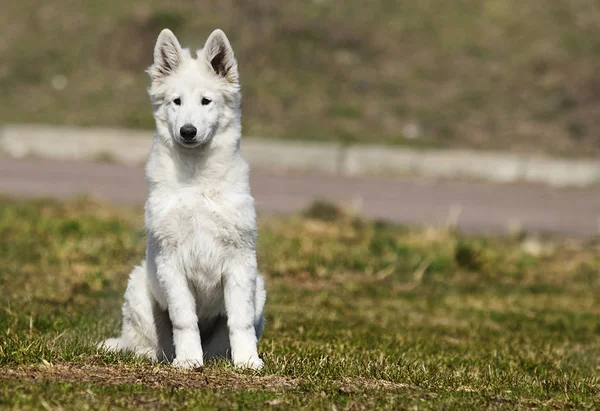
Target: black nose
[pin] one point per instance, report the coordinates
(188, 132)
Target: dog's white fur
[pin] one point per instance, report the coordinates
(198, 294)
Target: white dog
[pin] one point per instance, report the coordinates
(198, 294)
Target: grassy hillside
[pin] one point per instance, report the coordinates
(494, 74)
(359, 316)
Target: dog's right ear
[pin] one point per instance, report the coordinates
(167, 55)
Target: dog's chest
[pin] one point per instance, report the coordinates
(201, 228)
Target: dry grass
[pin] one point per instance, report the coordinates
(148, 376)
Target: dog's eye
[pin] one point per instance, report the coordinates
(205, 101)
(177, 101)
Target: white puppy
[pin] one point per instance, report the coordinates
(198, 294)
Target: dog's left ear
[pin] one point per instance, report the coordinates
(219, 55)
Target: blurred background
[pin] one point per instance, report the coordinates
(515, 83)
(485, 74)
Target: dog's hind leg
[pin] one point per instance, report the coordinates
(140, 328)
(259, 306)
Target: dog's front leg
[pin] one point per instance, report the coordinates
(181, 305)
(239, 293)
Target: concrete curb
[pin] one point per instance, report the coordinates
(132, 147)
(68, 143)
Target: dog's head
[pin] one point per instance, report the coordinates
(193, 99)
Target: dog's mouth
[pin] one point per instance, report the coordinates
(196, 142)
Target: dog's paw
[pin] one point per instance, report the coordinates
(188, 363)
(252, 363)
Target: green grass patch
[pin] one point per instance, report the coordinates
(359, 315)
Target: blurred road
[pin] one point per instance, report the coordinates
(477, 207)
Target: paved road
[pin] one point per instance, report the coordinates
(476, 206)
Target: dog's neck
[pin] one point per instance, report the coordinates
(219, 160)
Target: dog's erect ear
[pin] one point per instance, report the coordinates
(167, 55)
(219, 55)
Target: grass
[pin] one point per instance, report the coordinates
(360, 315)
(492, 74)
